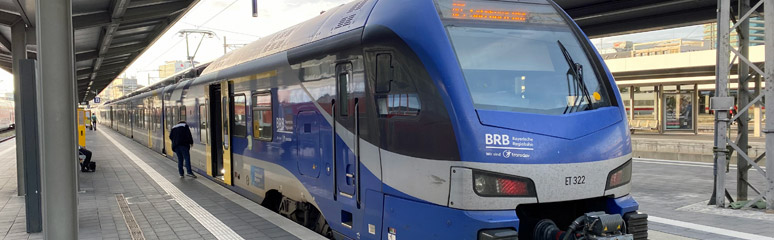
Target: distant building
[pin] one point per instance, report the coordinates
(171, 67)
(756, 33)
(118, 88)
(628, 49)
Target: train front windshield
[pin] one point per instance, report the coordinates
(521, 57)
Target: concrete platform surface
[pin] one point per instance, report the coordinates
(158, 204)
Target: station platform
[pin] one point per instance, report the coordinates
(136, 193)
(687, 146)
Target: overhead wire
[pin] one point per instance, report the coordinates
(197, 27)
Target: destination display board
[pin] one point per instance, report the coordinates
(498, 12)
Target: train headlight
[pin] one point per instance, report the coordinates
(489, 184)
(620, 176)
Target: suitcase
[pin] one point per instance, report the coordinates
(92, 166)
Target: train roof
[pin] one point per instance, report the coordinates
(335, 21)
(183, 75)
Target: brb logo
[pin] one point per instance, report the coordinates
(497, 139)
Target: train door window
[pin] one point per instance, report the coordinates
(344, 75)
(169, 118)
(183, 114)
(384, 72)
(140, 118)
(203, 123)
(262, 117)
(240, 115)
(224, 113)
(175, 115)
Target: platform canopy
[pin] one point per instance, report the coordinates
(109, 34)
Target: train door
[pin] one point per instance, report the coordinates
(219, 136)
(345, 147)
(227, 110)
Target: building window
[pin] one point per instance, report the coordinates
(262, 117)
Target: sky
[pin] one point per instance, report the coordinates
(233, 20)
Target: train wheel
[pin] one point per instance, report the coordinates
(323, 228)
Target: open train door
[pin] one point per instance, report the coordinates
(221, 108)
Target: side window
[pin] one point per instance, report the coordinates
(224, 113)
(183, 114)
(343, 77)
(240, 115)
(384, 72)
(169, 119)
(262, 117)
(399, 105)
(175, 115)
(203, 124)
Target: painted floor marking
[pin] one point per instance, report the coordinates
(218, 229)
(708, 229)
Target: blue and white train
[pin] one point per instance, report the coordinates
(411, 119)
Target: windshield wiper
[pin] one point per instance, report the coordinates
(576, 70)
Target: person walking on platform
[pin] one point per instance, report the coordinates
(181, 144)
(94, 122)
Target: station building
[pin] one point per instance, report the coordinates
(666, 85)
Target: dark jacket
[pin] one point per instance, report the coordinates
(181, 136)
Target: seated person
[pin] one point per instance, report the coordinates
(85, 163)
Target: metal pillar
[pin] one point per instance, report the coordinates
(631, 104)
(32, 148)
(742, 99)
(18, 52)
(721, 103)
(57, 107)
(769, 93)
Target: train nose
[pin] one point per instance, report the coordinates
(568, 126)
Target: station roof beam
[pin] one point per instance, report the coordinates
(601, 18)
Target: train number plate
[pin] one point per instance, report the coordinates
(575, 180)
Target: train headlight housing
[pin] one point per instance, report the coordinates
(620, 176)
(487, 184)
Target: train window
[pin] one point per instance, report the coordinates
(169, 119)
(556, 75)
(175, 115)
(399, 105)
(224, 114)
(343, 84)
(240, 115)
(203, 124)
(262, 117)
(384, 72)
(183, 114)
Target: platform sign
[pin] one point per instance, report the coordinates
(96, 100)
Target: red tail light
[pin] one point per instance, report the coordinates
(512, 187)
(496, 185)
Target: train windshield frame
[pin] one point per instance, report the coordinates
(513, 58)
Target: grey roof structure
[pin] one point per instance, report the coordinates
(109, 34)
